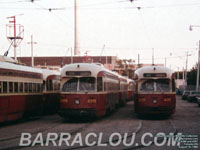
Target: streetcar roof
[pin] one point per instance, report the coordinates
(17, 67)
(7, 59)
(94, 68)
(154, 70)
(46, 73)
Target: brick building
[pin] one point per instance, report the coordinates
(57, 62)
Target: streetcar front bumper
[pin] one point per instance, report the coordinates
(77, 112)
(156, 110)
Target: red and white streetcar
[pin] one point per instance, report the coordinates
(51, 90)
(88, 89)
(123, 90)
(155, 91)
(20, 90)
(131, 89)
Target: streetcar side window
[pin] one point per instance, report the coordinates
(34, 87)
(105, 84)
(10, 87)
(25, 87)
(56, 85)
(44, 85)
(59, 86)
(38, 87)
(0, 87)
(99, 84)
(5, 87)
(47, 85)
(16, 87)
(173, 85)
(50, 85)
(21, 87)
(30, 87)
(41, 88)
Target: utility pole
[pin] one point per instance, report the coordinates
(186, 68)
(198, 65)
(32, 57)
(138, 59)
(71, 57)
(152, 56)
(76, 50)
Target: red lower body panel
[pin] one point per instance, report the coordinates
(87, 104)
(13, 107)
(155, 103)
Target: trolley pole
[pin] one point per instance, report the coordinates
(198, 65)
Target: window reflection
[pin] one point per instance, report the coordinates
(156, 85)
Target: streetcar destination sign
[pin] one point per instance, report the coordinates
(154, 74)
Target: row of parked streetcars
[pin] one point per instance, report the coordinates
(82, 89)
(191, 96)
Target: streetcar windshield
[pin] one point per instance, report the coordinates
(70, 85)
(155, 85)
(87, 84)
(79, 84)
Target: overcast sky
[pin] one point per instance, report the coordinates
(126, 29)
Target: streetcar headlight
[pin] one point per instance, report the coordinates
(142, 99)
(64, 100)
(154, 101)
(92, 101)
(167, 99)
(77, 101)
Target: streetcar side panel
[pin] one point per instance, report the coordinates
(20, 92)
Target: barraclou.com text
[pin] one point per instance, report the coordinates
(94, 139)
